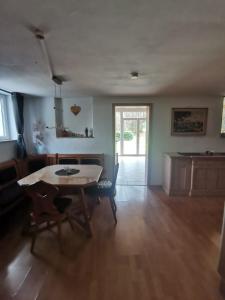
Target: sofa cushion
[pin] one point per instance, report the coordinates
(10, 194)
(7, 175)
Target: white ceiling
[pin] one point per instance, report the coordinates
(178, 46)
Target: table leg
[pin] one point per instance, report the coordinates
(81, 214)
(86, 212)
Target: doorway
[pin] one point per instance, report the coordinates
(131, 143)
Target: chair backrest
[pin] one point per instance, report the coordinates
(36, 162)
(68, 161)
(42, 195)
(116, 169)
(90, 161)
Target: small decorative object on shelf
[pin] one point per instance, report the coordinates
(86, 132)
(63, 132)
(91, 133)
(75, 109)
(66, 132)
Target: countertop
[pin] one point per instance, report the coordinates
(199, 155)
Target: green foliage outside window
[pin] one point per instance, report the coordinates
(127, 136)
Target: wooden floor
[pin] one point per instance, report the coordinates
(162, 248)
(132, 170)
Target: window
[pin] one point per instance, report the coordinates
(134, 114)
(4, 128)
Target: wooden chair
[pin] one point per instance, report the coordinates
(68, 161)
(51, 159)
(47, 207)
(83, 159)
(106, 188)
(90, 161)
(36, 162)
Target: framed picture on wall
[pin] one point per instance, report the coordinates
(189, 121)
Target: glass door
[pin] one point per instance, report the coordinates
(133, 137)
(131, 131)
(129, 137)
(142, 126)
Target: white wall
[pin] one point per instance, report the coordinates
(83, 119)
(7, 150)
(161, 141)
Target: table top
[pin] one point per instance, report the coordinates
(89, 174)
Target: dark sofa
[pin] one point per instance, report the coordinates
(11, 194)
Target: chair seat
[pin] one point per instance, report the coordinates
(106, 188)
(103, 188)
(104, 184)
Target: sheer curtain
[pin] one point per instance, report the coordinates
(18, 100)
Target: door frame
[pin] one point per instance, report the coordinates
(149, 126)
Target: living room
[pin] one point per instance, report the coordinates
(65, 70)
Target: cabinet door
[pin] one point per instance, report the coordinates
(199, 178)
(181, 176)
(208, 178)
(221, 177)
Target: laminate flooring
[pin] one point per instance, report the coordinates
(163, 248)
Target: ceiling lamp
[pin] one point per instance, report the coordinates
(41, 38)
(134, 75)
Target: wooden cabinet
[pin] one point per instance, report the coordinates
(194, 176)
(177, 176)
(208, 177)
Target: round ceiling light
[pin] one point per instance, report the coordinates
(134, 75)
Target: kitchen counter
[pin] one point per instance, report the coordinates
(194, 174)
(196, 154)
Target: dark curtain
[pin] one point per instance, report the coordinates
(18, 111)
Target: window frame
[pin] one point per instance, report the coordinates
(5, 118)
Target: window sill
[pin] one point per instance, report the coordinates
(7, 141)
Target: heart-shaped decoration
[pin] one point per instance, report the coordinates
(75, 109)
